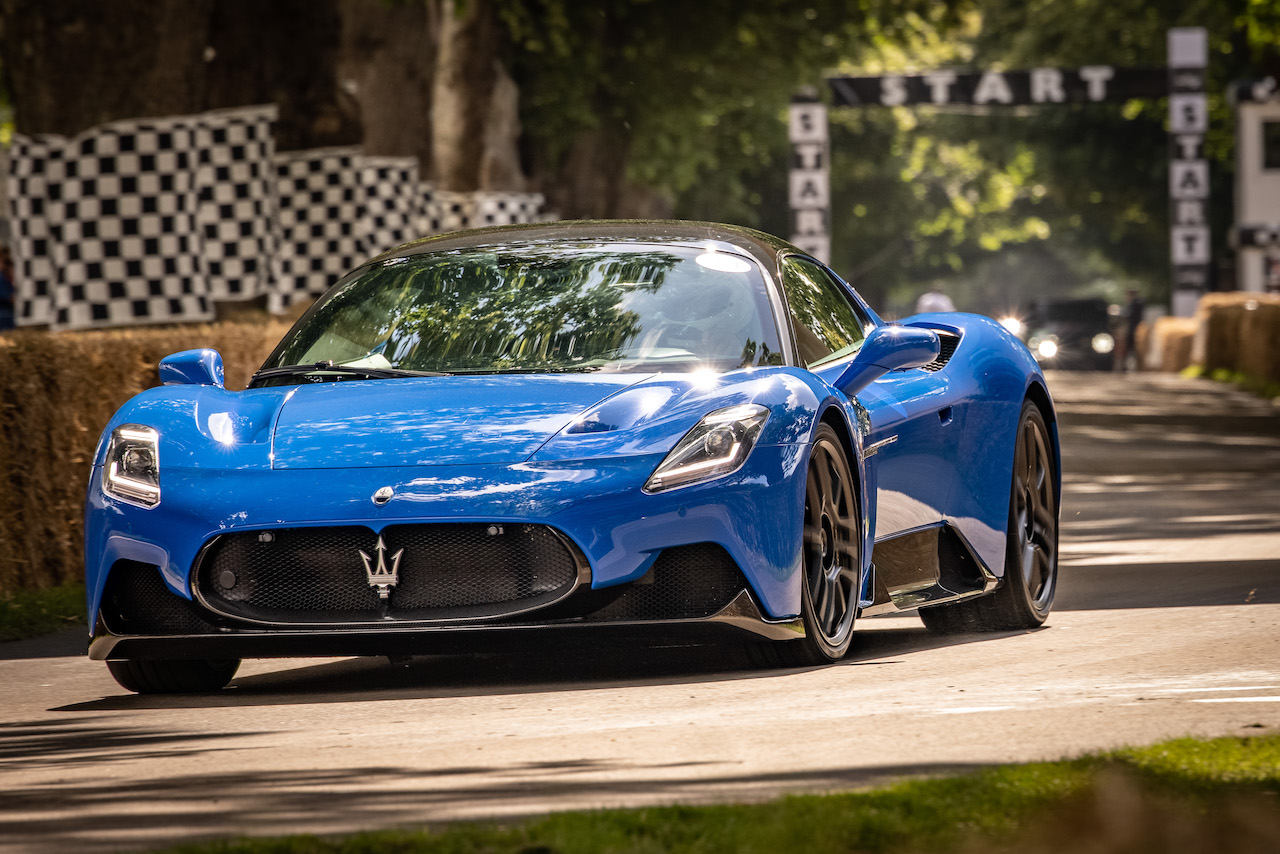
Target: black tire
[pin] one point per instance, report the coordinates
(832, 547)
(1025, 595)
(173, 676)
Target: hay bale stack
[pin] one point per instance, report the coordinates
(1171, 341)
(57, 392)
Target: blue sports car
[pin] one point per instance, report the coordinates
(595, 432)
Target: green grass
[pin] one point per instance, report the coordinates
(1260, 386)
(30, 613)
(1180, 796)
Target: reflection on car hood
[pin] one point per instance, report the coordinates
(433, 421)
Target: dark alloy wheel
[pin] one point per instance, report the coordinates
(1025, 595)
(832, 547)
(174, 676)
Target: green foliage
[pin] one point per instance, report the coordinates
(29, 613)
(1212, 795)
(1068, 198)
(696, 96)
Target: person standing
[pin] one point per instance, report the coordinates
(934, 300)
(6, 288)
(1134, 312)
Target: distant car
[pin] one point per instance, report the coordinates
(1071, 334)
(671, 432)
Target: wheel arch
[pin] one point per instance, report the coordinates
(837, 419)
(1038, 394)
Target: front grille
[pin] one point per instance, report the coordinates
(947, 344)
(136, 601)
(446, 572)
(685, 583)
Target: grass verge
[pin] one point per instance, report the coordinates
(1189, 795)
(30, 613)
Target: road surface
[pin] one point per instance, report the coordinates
(1167, 624)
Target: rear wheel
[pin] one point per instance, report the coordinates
(832, 549)
(1026, 592)
(173, 676)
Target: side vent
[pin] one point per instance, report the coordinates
(948, 342)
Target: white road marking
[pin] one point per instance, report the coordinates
(1240, 700)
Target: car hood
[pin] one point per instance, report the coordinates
(428, 421)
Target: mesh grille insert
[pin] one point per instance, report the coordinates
(446, 572)
(947, 344)
(685, 583)
(136, 601)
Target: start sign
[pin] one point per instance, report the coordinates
(1182, 81)
(1091, 84)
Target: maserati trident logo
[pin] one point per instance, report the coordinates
(380, 577)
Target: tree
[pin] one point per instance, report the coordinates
(74, 64)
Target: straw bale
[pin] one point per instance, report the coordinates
(1260, 338)
(1171, 339)
(57, 392)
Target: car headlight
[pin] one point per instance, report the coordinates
(132, 469)
(1013, 324)
(1045, 348)
(1103, 343)
(717, 445)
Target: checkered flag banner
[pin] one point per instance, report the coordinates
(320, 204)
(394, 207)
(448, 211)
(237, 202)
(154, 220)
(32, 160)
(121, 225)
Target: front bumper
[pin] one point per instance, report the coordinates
(738, 621)
(752, 517)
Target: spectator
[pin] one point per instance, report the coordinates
(934, 300)
(6, 288)
(1134, 311)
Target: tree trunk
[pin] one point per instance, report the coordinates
(282, 52)
(474, 103)
(73, 64)
(387, 66)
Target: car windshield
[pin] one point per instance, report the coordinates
(535, 308)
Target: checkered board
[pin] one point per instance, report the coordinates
(394, 207)
(121, 224)
(32, 159)
(153, 220)
(448, 211)
(319, 207)
(239, 236)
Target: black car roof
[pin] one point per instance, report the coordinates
(764, 247)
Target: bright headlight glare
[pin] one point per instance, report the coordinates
(717, 445)
(1013, 324)
(132, 469)
(1103, 343)
(1047, 348)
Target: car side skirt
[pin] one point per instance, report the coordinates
(926, 566)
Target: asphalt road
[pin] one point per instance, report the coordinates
(1167, 624)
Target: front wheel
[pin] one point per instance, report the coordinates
(173, 676)
(832, 548)
(1026, 592)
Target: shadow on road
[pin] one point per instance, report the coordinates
(261, 801)
(1168, 585)
(531, 671)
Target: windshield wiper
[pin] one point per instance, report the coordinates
(331, 368)
(560, 369)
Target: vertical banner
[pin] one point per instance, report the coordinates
(1188, 170)
(810, 186)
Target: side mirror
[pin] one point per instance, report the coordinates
(888, 348)
(193, 367)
